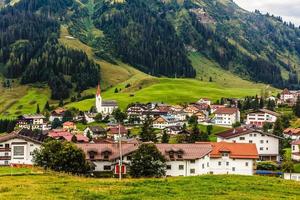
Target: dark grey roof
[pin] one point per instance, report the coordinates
(96, 129)
(109, 103)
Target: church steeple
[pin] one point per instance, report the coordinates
(98, 90)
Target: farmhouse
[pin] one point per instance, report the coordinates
(113, 132)
(267, 144)
(293, 133)
(260, 117)
(166, 121)
(17, 147)
(57, 114)
(70, 126)
(289, 96)
(104, 107)
(32, 122)
(173, 130)
(295, 150)
(95, 131)
(227, 116)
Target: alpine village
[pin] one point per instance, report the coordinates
(156, 99)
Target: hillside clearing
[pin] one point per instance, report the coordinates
(56, 186)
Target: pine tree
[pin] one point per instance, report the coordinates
(38, 109)
(278, 128)
(261, 103)
(296, 108)
(61, 103)
(165, 137)
(47, 106)
(147, 133)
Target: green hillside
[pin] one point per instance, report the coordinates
(176, 91)
(55, 186)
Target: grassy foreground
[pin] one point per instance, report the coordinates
(55, 186)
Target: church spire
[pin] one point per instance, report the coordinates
(98, 90)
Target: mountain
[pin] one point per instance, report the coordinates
(153, 36)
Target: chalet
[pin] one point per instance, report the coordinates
(166, 121)
(89, 117)
(202, 116)
(113, 132)
(289, 97)
(267, 144)
(136, 110)
(32, 122)
(17, 147)
(176, 108)
(233, 158)
(260, 117)
(173, 130)
(95, 131)
(70, 126)
(191, 109)
(204, 101)
(292, 133)
(295, 145)
(58, 113)
(227, 116)
(67, 136)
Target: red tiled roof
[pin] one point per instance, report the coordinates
(292, 131)
(297, 142)
(79, 138)
(235, 150)
(226, 110)
(59, 133)
(68, 124)
(115, 130)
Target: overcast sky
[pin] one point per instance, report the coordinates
(289, 10)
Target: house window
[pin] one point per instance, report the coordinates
(18, 150)
(233, 169)
(242, 138)
(267, 148)
(6, 162)
(169, 167)
(246, 164)
(225, 154)
(203, 166)
(254, 135)
(107, 167)
(31, 145)
(128, 157)
(261, 148)
(261, 141)
(250, 135)
(6, 153)
(234, 141)
(7, 146)
(1, 145)
(31, 153)
(293, 148)
(219, 163)
(179, 156)
(192, 171)
(207, 164)
(250, 141)
(181, 167)
(171, 156)
(192, 161)
(267, 141)
(227, 163)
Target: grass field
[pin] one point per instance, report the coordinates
(55, 186)
(216, 130)
(21, 100)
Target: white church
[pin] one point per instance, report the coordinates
(104, 107)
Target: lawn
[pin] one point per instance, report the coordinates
(55, 186)
(4, 171)
(215, 131)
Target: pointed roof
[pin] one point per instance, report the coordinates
(98, 90)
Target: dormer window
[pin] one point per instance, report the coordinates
(179, 155)
(106, 156)
(92, 155)
(224, 154)
(171, 155)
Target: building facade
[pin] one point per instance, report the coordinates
(227, 116)
(104, 107)
(260, 117)
(267, 144)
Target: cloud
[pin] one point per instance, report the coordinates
(289, 10)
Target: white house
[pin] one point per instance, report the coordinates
(17, 147)
(289, 97)
(292, 133)
(204, 101)
(58, 113)
(260, 117)
(36, 121)
(233, 158)
(104, 107)
(295, 150)
(165, 121)
(227, 116)
(267, 144)
(181, 159)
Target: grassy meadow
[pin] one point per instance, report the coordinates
(59, 186)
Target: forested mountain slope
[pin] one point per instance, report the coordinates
(154, 36)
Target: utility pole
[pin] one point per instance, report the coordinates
(120, 151)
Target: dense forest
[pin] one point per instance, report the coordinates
(30, 49)
(143, 38)
(154, 36)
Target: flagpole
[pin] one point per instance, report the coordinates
(120, 151)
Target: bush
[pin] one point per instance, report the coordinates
(267, 165)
